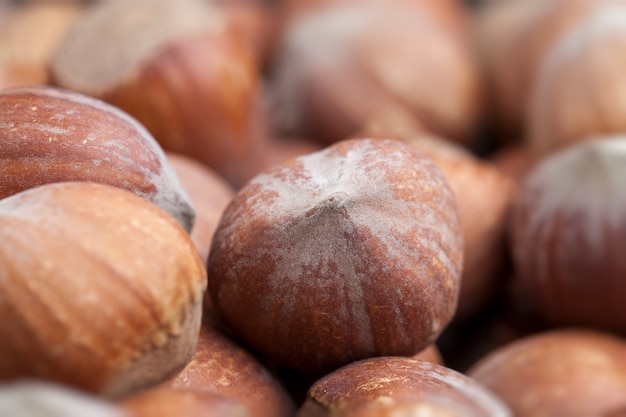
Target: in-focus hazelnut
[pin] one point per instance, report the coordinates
(99, 289)
(50, 135)
(347, 253)
(390, 386)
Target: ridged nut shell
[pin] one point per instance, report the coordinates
(99, 289)
(347, 253)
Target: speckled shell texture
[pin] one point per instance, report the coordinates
(343, 254)
(99, 289)
(51, 135)
(387, 387)
(220, 365)
(568, 236)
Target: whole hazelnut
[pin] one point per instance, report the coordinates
(343, 254)
(579, 88)
(567, 234)
(390, 386)
(565, 372)
(99, 289)
(50, 135)
(343, 68)
(180, 68)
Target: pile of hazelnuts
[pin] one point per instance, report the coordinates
(309, 208)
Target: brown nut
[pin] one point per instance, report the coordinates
(558, 373)
(567, 235)
(99, 289)
(29, 36)
(179, 68)
(386, 387)
(347, 253)
(49, 135)
(518, 36)
(163, 402)
(578, 94)
(340, 70)
(221, 366)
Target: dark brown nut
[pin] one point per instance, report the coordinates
(388, 386)
(347, 253)
(99, 289)
(567, 236)
(50, 135)
(558, 373)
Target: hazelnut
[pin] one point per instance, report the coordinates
(522, 40)
(181, 403)
(343, 254)
(565, 372)
(567, 235)
(180, 68)
(389, 386)
(221, 366)
(100, 289)
(579, 91)
(344, 68)
(29, 36)
(50, 135)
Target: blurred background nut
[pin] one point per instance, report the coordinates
(342, 69)
(209, 194)
(568, 232)
(99, 289)
(29, 37)
(566, 372)
(580, 87)
(180, 68)
(516, 37)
